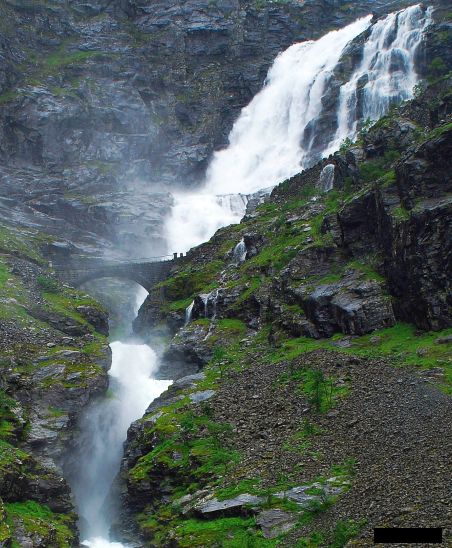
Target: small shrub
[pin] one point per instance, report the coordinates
(47, 284)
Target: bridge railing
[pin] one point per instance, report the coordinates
(81, 261)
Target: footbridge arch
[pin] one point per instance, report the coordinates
(145, 272)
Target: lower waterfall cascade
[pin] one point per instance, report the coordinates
(132, 388)
(278, 134)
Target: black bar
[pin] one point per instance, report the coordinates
(429, 535)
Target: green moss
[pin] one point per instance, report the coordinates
(38, 519)
(345, 531)
(401, 213)
(293, 309)
(191, 281)
(437, 68)
(9, 96)
(179, 305)
(62, 58)
(47, 284)
(366, 269)
(15, 298)
(11, 457)
(440, 130)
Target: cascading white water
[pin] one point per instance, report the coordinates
(188, 312)
(387, 67)
(239, 253)
(265, 140)
(326, 179)
(103, 430)
(267, 145)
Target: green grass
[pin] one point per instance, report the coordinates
(62, 58)
(225, 532)
(24, 245)
(66, 301)
(345, 531)
(40, 520)
(401, 343)
(234, 328)
(4, 275)
(313, 383)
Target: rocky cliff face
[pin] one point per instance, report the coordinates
(111, 103)
(294, 338)
(54, 358)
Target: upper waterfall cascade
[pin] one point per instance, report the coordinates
(278, 134)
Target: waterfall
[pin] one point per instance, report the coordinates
(387, 68)
(188, 312)
(326, 179)
(103, 430)
(273, 138)
(239, 253)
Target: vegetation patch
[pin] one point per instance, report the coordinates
(39, 520)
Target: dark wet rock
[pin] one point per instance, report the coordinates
(352, 307)
(96, 317)
(191, 345)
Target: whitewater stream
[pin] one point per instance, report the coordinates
(132, 387)
(273, 138)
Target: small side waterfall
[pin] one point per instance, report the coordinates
(326, 179)
(282, 131)
(239, 253)
(188, 312)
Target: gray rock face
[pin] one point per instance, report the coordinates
(197, 397)
(235, 506)
(274, 522)
(352, 307)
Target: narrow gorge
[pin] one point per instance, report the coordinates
(225, 268)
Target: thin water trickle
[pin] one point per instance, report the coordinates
(326, 179)
(188, 312)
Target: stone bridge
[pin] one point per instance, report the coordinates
(146, 272)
